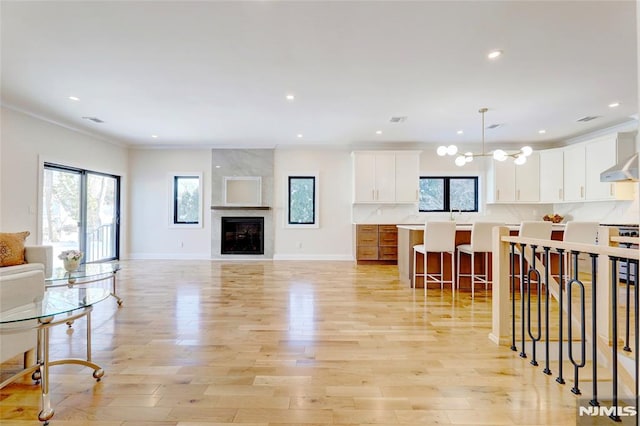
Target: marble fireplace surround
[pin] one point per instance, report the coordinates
(241, 163)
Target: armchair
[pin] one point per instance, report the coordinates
(19, 285)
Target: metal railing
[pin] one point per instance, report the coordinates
(575, 315)
(100, 243)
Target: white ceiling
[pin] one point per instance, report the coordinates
(216, 73)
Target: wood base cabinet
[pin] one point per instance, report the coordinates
(377, 244)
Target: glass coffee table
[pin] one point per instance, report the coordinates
(86, 274)
(69, 303)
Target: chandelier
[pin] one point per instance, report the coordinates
(519, 157)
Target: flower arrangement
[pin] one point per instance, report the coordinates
(70, 255)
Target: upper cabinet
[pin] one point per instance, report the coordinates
(574, 172)
(510, 183)
(386, 176)
(551, 176)
(600, 154)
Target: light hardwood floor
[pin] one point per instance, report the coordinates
(285, 343)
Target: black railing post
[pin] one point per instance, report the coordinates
(560, 251)
(576, 365)
(513, 296)
(628, 312)
(594, 330)
(547, 263)
(534, 338)
(614, 338)
(523, 285)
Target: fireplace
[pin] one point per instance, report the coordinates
(242, 235)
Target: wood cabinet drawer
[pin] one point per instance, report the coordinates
(367, 253)
(388, 239)
(367, 238)
(388, 253)
(388, 228)
(367, 228)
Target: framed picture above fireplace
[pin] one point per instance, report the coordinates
(242, 191)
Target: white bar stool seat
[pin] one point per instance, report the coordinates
(481, 240)
(439, 237)
(534, 229)
(578, 232)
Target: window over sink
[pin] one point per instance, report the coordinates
(448, 193)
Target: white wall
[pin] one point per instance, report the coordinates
(333, 239)
(25, 143)
(149, 210)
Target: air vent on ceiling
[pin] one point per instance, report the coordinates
(94, 119)
(587, 118)
(493, 126)
(398, 119)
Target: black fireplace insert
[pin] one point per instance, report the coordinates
(242, 235)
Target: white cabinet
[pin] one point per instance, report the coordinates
(511, 183)
(385, 176)
(504, 181)
(574, 173)
(407, 177)
(600, 154)
(551, 176)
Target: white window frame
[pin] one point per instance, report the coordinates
(172, 189)
(316, 201)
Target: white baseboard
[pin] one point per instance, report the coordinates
(207, 256)
(169, 256)
(340, 257)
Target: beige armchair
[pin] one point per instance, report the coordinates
(20, 285)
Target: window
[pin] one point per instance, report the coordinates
(187, 195)
(302, 194)
(81, 210)
(448, 193)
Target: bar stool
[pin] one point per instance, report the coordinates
(481, 239)
(534, 229)
(439, 237)
(578, 232)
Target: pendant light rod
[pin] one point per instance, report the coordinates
(520, 157)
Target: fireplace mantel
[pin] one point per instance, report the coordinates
(240, 208)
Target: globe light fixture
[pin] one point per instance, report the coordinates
(519, 157)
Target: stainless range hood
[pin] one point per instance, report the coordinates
(624, 171)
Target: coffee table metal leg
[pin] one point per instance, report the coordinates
(46, 412)
(113, 292)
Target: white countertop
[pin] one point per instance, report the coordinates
(467, 226)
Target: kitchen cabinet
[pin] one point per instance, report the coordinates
(551, 176)
(385, 176)
(376, 243)
(574, 173)
(600, 154)
(515, 183)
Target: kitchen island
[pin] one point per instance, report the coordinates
(410, 235)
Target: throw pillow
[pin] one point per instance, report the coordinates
(12, 248)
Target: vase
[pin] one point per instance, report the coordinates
(71, 265)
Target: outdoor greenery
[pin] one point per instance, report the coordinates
(187, 199)
(448, 194)
(302, 200)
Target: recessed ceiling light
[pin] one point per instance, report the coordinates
(494, 54)
(460, 132)
(542, 131)
(614, 104)
(290, 97)
(217, 167)
(299, 135)
(74, 98)
(378, 132)
(154, 136)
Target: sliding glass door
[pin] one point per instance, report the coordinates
(81, 211)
